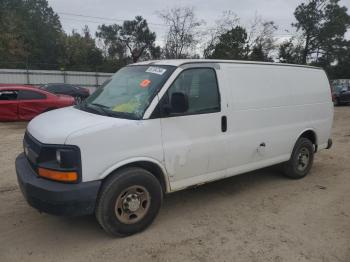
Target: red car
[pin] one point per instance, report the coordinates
(24, 102)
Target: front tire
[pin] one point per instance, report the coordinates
(128, 202)
(301, 159)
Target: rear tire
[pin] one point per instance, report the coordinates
(128, 202)
(301, 159)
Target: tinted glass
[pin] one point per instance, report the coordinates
(60, 88)
(30, 95)
(200, 86)
(52, 89)
(8, 95)
(67, 88)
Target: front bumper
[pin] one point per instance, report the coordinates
(54, 197)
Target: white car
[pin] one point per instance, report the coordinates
(162, 126)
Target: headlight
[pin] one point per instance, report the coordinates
(58, 156)
(60, 163)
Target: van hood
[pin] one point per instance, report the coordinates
(54, 127)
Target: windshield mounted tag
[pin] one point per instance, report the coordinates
(156, 70)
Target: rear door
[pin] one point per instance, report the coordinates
(8, 105)
(194, 141)
(31, 104)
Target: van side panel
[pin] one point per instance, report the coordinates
(273, 105)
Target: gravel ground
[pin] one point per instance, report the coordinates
(259, 216)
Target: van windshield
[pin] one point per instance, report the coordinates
(129, 92)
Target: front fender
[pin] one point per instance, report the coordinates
(129, 161)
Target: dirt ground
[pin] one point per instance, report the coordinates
(259, 216)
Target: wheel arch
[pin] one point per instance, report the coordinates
(149, 164)
(310, 134)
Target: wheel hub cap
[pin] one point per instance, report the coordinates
(132, 204)
(303, 159)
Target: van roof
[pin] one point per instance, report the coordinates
(179, 62)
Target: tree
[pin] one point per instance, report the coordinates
(183, 32)
(261, 41)
(290, 52)
(231, 45)
(341, 68)
(113, 47)
(257, 45)
(227, 22)
(322, 23)
(133, 38)
(30, 31)
(80, 52)
(258, 54)
(138, 38)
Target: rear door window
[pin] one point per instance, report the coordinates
(8, 95)
(30, 95)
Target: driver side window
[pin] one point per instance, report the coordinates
(200, 87)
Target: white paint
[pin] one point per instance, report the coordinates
(263, 103)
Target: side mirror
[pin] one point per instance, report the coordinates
(179, 103)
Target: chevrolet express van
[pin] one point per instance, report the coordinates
(161, 126)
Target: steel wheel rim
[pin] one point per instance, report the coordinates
(303, 159)
(132, 204)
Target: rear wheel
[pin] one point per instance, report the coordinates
(301, 159)
(129, 201)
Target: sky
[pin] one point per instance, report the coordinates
(115, 11)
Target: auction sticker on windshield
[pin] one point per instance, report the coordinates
(145, 83)
(156, 70)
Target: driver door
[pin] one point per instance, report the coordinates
(194, 141)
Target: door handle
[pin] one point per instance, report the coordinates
(223, 123)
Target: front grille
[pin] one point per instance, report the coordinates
(32, 150)
(32, 143)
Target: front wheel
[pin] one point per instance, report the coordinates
(301, 159)
(128, 202)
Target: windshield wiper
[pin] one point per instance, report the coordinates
(101, 108)
(99, 105)
(96, 109)
(104, 110)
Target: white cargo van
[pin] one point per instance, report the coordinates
(161, 126)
